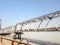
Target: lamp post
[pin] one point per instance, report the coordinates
(18, 33)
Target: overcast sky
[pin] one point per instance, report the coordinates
(15, 11)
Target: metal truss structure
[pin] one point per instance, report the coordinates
(41, 18)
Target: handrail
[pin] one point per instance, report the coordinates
(7, 38)
(13, 40)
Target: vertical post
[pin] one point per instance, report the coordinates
(1, 39)
(15, 31)
(12, 42)
(21, 27)
(15, 28)
(20, 31)
(20, 36)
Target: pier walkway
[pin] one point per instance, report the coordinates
(45, 28)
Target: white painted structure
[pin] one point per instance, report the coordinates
(47, 22)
